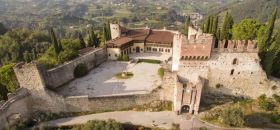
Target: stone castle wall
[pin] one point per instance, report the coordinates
(237, 74)
(64, 73)
(31, 77)
(107, 103)
(17, 107)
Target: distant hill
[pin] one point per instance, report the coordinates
(257, 9)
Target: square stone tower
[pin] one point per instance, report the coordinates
(115, 30)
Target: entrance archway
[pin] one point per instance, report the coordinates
(185, 109)
(137, 49)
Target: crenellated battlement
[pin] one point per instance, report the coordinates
(238, 46)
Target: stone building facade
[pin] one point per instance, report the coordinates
(128, 41)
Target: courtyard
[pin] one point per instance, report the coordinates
(102, 81)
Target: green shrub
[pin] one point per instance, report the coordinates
(80, 71)
(276, 98)
(233, 117)
(149, 61)
(67, 55)
(124, 75)
(213, 115)
(100, 125)
(265, 104)
(275, 118)
(8, 77)
(161, 72)
(3, 92)
(245, 101)
(123, 58)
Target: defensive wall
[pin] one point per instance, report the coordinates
(35, 95)
(17, 107)
(64, 73)
(237, 74)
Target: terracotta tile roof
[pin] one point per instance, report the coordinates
(119, 41)
(138, 34)
(162, 37)
(142, 35)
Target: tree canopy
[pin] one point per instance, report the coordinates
(246, 29)
(3, 29)
(226, 31)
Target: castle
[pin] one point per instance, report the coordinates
(198, 66)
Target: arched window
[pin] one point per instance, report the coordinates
(235, 61)
(232, 72)
(226, 44)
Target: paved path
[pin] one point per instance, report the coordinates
(149, 119)
(163, 119)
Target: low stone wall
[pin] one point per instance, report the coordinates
(62, 74)
(107, 103)
(16, 108)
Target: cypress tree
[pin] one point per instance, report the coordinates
(96, 40)
(226, 27)
(203, 27)
(60, 46)
(54, 42)
(108, 31)
(266, 41)
(210, 25)
(269, 46)
(207, 25)
(215, 25)
(26, 56)
(105, 33)
(187, 24)
(82, 42)
(34, 54)
(90, 38)
(218, 35)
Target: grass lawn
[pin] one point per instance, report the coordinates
(149, 61)
(124, 75)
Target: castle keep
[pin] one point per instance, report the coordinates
(197, 65)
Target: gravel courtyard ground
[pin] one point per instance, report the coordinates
(102, 82)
